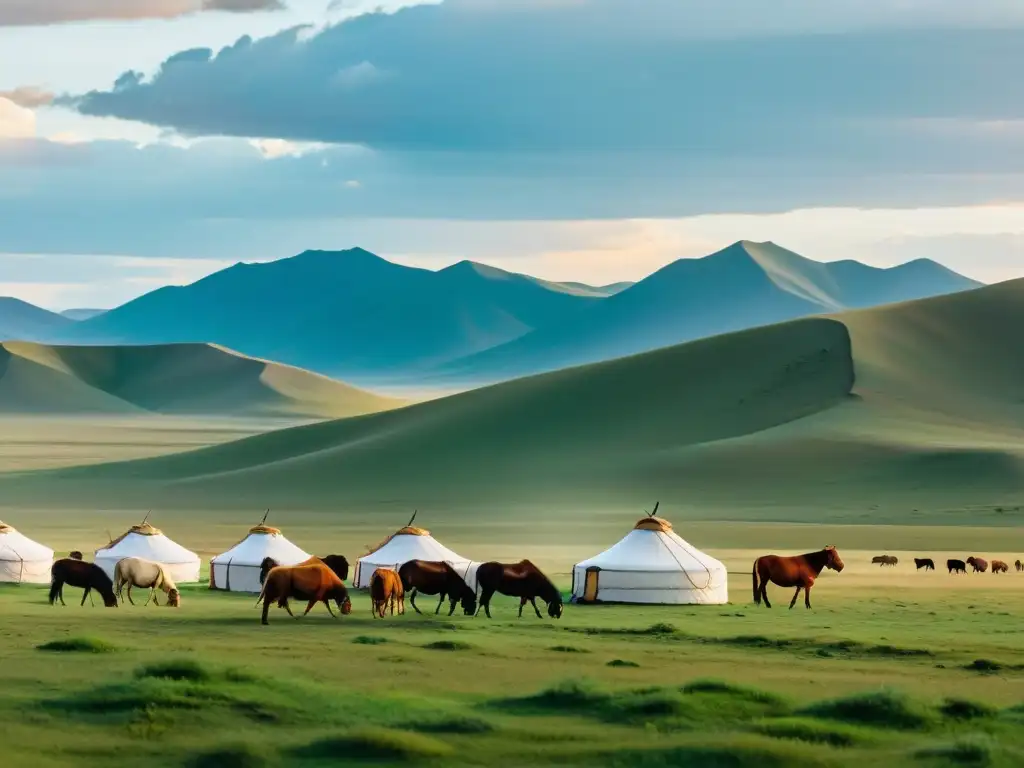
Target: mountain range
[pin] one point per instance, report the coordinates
(916, 404)
(356, 316)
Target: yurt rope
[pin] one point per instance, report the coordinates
(683, 569)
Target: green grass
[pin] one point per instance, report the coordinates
(78, 645)
(295, 692)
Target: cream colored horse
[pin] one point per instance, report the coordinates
(136, 572)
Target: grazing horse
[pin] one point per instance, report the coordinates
(979, 565)
(884, 560)
(998, 566)
(78, 573)
(337, 563)
(314, 582)
(523, 580)
(145, 574)
(437, 578)
(924, 562)
(799, 571)
(385, 589)
(1019, 566)
(956, 566)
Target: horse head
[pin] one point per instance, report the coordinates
(265, 566)
(344, 603)
(555, 608)
(469, 602)
(75, 555)
(173, 598)
(834, 561)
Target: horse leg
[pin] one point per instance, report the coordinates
(85, 594)
(795, 596)
(60, 594)
(454, 602)
(440, 602)
(130, 594)
(266, 609)
(284, 604)
(328, 604)
(485, 602)
(412, 600)
(764, 593)
(807, 595)
(522, 604)
(533, 602)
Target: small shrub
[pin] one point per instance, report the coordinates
(966, 751)
(376, 744)
(182, 669)
(809, 731)
(963, 709)
(984, 666)
(448, 645)
(567, 649)
(660, 629)
(883, 709)
(734, 691)
(622, 663)
(455, 724)
(369, 640)
(240, 756)
(78, 645)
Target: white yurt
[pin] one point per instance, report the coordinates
(23, 561)
(410, 543)
(149, 543)
(238, 569)
(652, 564)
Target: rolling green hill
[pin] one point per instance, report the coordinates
(909, 411)
(168, 379)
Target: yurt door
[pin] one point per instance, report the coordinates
(590, 585)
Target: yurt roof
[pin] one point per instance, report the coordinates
(143, 529)
(5, 528)
(266, 530)
(652, 523)
(408, 530)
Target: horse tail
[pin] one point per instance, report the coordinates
(757, 592)
(55, 584)
(263, 594)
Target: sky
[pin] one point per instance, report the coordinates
(147, 142)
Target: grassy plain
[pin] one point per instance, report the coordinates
(906, 668)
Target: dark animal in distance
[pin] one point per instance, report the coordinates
(998, 566)
(523, 580)
(956, 566)
(75, 555)
(437, 578)
(79, 573)
(314, 582)
(924, 562)
(1019, 566)
(386, 590)
(337, 563)
(979, 565)
(884, 560)
(798, 571)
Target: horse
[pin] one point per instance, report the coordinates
(136, 572)
(799, 571)
(998, 566)
(956, 566)
(979, 565)
(337, 563)
(314, 582)
(385, 589)
(75, 555)
(884, 560)
(1019, 566)
(78, 573)
(924, 562)
(523, 580)
(437, 578)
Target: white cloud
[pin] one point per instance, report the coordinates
(16, 122)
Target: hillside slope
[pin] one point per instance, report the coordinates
(21, 321)
(169, 379)
(912, 411)
(350, 313)
(743, 286)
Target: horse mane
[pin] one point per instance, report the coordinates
(550, 585)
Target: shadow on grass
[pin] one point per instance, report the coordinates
(374, 744)
(78, 645)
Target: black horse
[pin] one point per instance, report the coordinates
(79, 573)
(337, 563)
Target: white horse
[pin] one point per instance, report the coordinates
(136, 572)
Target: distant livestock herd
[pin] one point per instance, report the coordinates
(977, 564)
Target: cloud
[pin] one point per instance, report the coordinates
(16, 122)
(42, 12)
(739, 81)
(30, 97)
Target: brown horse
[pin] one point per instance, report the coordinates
(978, 564)
(799, 571)
(523, 580)
(437, 578)
(998, 566)
(385, 590)
(1019, 566)
(315, 582)
(80, 574)
(337, 563)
